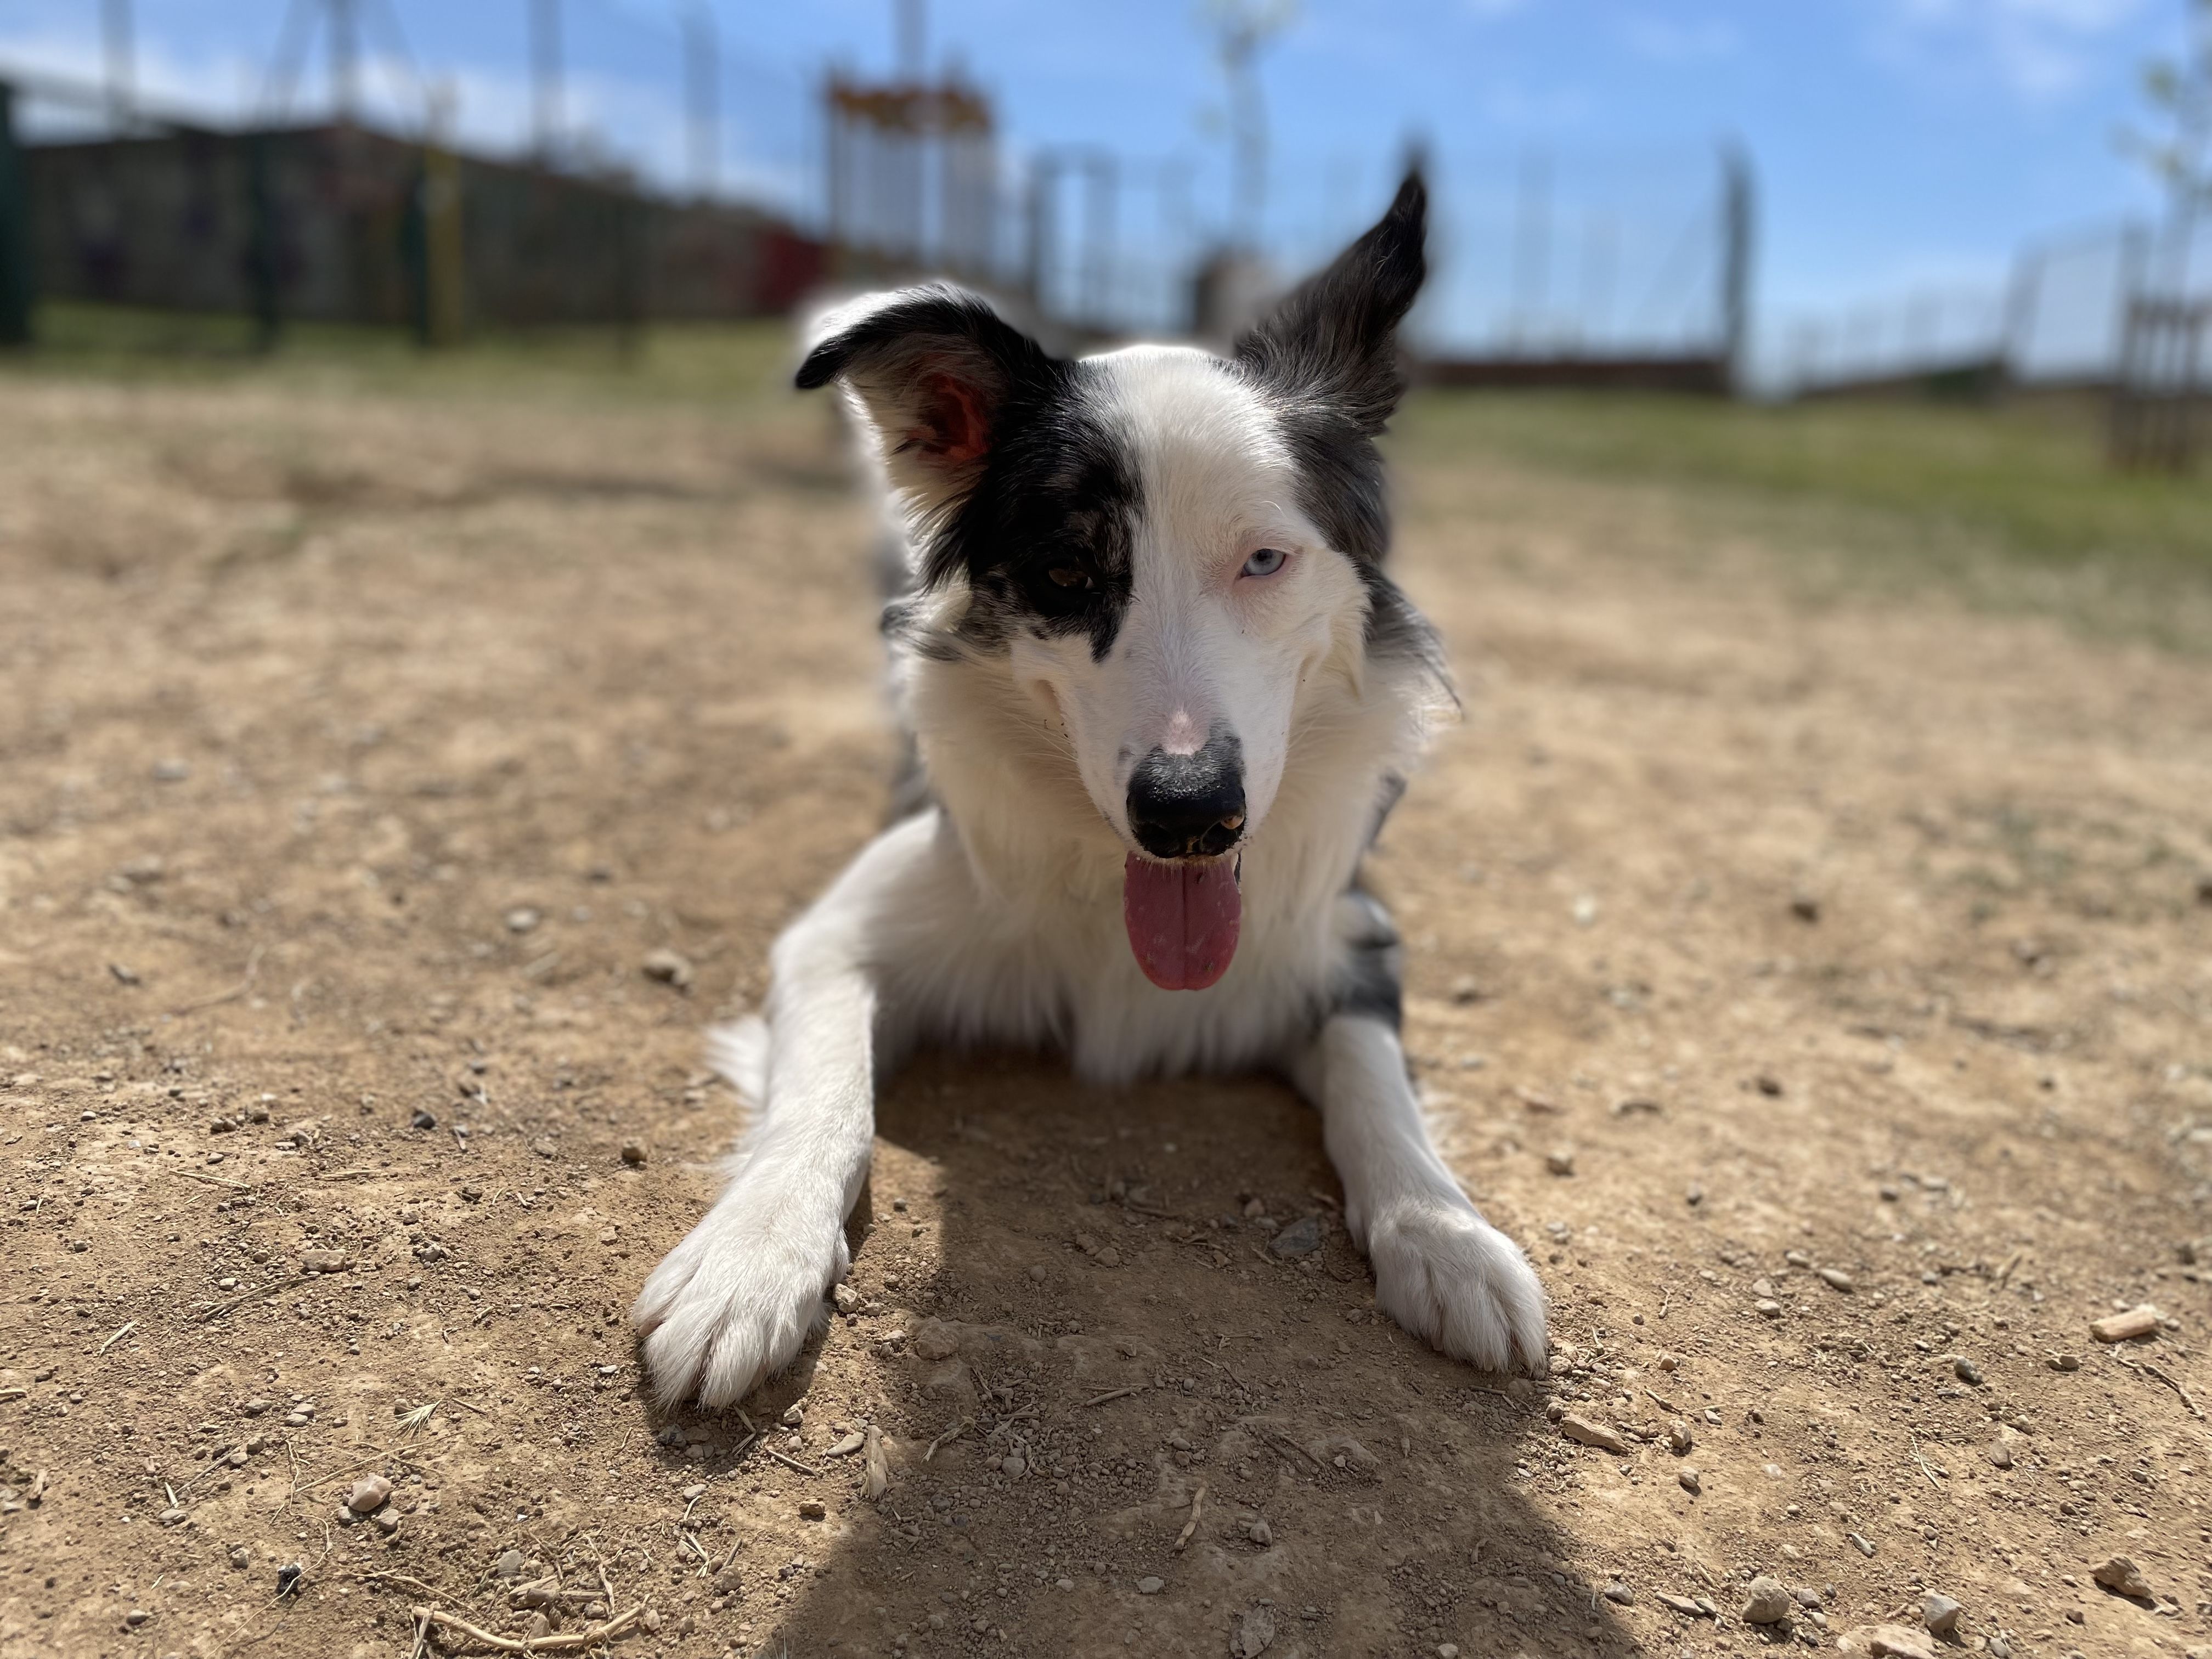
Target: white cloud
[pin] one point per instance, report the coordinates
(1664, 40)
(2041, 49)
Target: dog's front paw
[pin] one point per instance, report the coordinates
(1452, 1278)
(733, 1302)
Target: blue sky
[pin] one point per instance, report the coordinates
(1898, 144)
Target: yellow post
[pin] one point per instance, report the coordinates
(443, 258)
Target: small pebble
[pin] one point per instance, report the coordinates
(2126, 1327)
(1966, 1370)
(2123, 1576)
(812, 1509)
(522, 919)
(1560, 1161)
(667, 967)
(1686, 1478)
(1836, 1279)
(1940, 1613)
(423, 1120)
(2064, 1361)
(633, 1153)
(1862, 1543)
(1255, 1633)
(1770, 1602)
(1151, 1585)
(1587, 1433)
(369, 1494)
(1618, 1594)
(1300, 1238)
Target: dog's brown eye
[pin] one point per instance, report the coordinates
(1069, 575)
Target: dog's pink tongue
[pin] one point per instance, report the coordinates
(1182, 920)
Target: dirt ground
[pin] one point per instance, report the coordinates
(358, 751)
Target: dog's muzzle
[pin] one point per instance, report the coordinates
(1189, 806)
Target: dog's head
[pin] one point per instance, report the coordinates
(1164, 548)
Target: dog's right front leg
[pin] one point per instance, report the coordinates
(732, 1303)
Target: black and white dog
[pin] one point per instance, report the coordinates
(1163, 693)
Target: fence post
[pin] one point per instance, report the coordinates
(16, 284)
(263, 274)
(2023, 299)
(1737, 229)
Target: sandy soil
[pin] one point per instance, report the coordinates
(356, 752)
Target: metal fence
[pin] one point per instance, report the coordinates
(2060, 319)
(1543, 258)
(340, 222)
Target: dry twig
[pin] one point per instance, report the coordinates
(1197, 1508)
(567, 1641)
(253, 967)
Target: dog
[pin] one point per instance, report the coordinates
(1163, 695)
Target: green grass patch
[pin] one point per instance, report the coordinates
(2030, 476)
(730, 363)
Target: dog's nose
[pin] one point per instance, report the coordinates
(1186, 806)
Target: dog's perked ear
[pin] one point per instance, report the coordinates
(1334, 338)
(934, 370)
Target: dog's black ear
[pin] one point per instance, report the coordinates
(1335, 337)
(934, 370)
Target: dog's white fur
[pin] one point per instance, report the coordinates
(995, 917)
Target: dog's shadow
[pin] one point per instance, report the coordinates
(1125, 1411)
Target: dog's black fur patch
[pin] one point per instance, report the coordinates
(1041, 527)
(1367, 981)
(1327, 358)
(1047, 537)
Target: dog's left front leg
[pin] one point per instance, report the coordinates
(732, 1303)
(1440, 1270)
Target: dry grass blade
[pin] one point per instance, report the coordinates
(953, 1433)
(566, 1641)
(213, 1180)
(791, 1462)
(253, 967)
(222, 1308)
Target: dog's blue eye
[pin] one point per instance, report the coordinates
(1266, 562)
